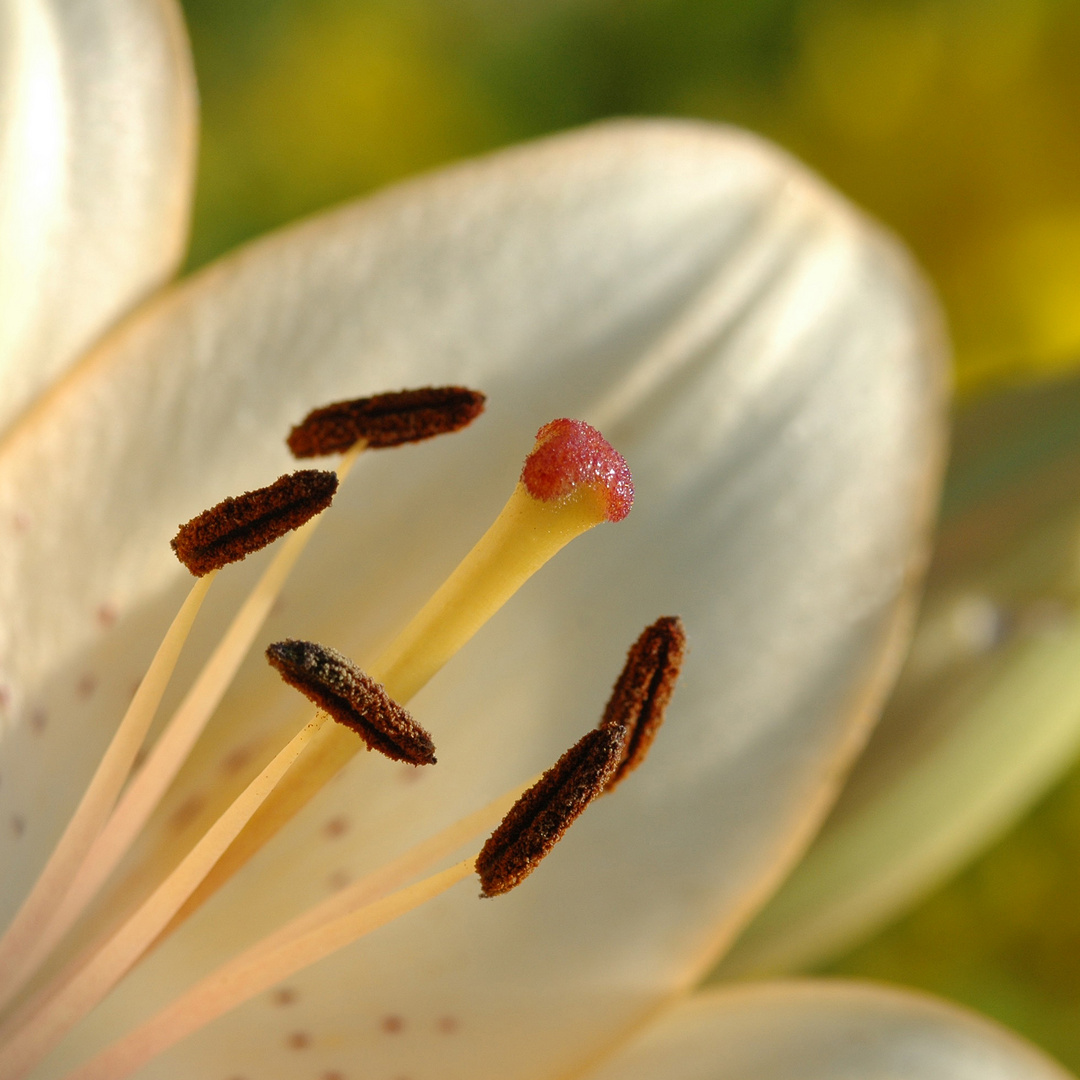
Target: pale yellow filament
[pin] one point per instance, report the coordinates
(21, 946)
(251, 973)
(303, 941)
(97, 977)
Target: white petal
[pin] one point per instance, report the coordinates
(97, 147)
(986, 714)
(763, 358)
(823, 1031)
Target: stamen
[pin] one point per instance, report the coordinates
(643, 690)
(529, 530)
(336, 685)
(227, 532)
(178, 737)
(538, 820)
(238, 527)
(385, 420)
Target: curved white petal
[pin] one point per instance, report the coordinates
(764, 359)
(823, 1031)
(986, 714)
(97, 148)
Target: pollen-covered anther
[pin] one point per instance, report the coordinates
(569, 455)
(338, 687)
(643, 690)
(385, 420)
(240, 526)
(537, 821)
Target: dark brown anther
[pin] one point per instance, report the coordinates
(338, 687)
(238, 527)
(385, 420)
(537, 821)
(643, 690)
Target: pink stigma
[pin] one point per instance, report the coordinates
(569, 453)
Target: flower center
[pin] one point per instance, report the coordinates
(570, 482)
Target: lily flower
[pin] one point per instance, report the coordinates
(769, 363)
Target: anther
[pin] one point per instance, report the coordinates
(538, 819)
(338, 687)
(570, 454)
(238, 527)
(385, 420)
(643, 690)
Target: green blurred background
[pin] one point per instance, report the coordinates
(957, 122)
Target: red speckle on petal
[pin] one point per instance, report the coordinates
(236, 759)
(187, 812)
(5, 697)
(410, 774)
(447, 1024)
(285, 996)
(86, 685)
(392, 1025)
(39, 721)
(569, 453)
(298, 1040)
(106, 616)
(336, 827)
(338, 880)
(21, 521)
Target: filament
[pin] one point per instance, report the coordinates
(26, 940)
(96, 978)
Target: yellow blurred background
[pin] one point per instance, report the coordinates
(957, 122)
